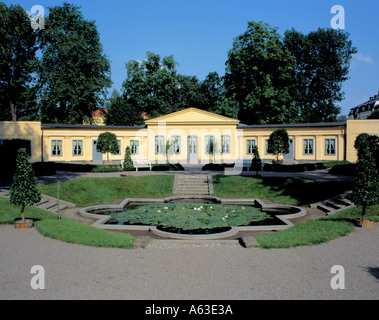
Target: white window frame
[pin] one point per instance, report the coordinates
(250, 143)
(308, 146)
(328, 146)
(134, 147)
(176, 144)
(77, 147)
(159, 144)
(57, 148)
(225, 144)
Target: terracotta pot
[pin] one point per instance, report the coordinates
(18, 224)
(363, 223)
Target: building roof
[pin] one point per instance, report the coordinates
(82, 126)
(192, 115)
(294, 125)
(369, 105)
(99, 112)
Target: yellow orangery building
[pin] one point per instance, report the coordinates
(189, 132)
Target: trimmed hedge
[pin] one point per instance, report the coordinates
(349, 169)
(217, 166)
(301, 167)
(167, 167)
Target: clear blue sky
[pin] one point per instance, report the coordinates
(199, 33)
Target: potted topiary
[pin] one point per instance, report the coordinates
(107, 143)
(128, 162)
(24, 190)
(366, 183)
(256, 162)
(278, 143)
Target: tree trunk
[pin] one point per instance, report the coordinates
(22, 213)
(364, 211)
(13, 111)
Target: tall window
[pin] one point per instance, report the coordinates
(159, 145)
(175, 144)
(134, 146)
(56, 147)
(119, 148)
(225, 144)
(250, 144)
(307, 146)
(330, 146)
(77, 147)
(266, 147)
(209, 144)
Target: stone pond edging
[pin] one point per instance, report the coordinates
(293, 212)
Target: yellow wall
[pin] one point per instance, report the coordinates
(184, 123)
(298, 134)
(193, 122)
(28, 130)
(354, 128)
(183, 131)
(67, 135)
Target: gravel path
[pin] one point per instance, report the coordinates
(185, 271)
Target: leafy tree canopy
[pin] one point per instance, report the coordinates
(322, 65)
(75, 73)
(107, 143)
(18, 64)
(278, 143)
(259, 76)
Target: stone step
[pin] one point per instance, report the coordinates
(60, 208)
(192, 193)
(344, 202)
(323, 208)
(49, 205)
(333, 205)
(192, 181)
(41, 202)
(193, 186)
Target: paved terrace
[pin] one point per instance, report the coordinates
(318, 175)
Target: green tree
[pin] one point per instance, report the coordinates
(75, 73)
(18, 64)
(187, 92)
(211, 93)
(123, 113)
(152, 85)
(107, 143)
(168, 150)
(374, 115)
(366, 183)
(256, 162)
(24, 190)
(128, 162)
(278, 142)
(322, 65)
(259, 77)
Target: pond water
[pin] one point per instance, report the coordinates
(192, 218)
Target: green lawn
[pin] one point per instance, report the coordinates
(283, 190)
(94, 191)
(67, 230)
(317, 231)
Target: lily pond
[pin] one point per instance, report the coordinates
(186, 216)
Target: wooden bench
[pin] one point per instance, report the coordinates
(139, 163)
(246, 163)
(242, 163)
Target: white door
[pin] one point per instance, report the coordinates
(192, 147)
